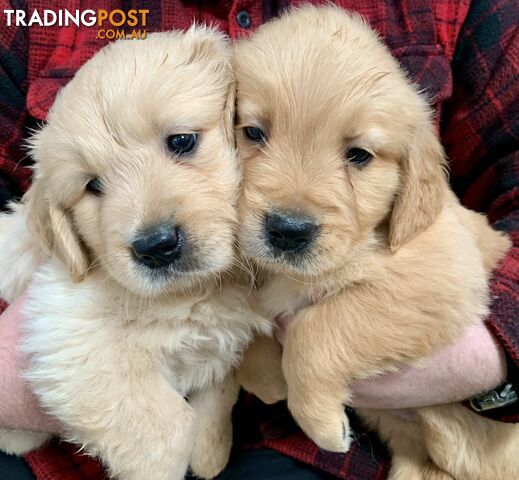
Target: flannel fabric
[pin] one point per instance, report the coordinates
(463, 53)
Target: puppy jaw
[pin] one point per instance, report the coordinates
(331, 88)
(140, 95)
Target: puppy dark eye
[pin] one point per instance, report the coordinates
(255, 134)
(95, 187)
(182, 143)
(358, 156)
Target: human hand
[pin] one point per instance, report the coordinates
(19, 408)
(474, 364)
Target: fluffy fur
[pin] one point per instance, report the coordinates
(114, 348)
(398, 267)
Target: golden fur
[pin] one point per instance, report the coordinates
(398, 268)
(114, 349)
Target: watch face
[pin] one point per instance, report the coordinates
(501, 397)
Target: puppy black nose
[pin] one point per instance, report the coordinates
(289, 232)
(158, 246)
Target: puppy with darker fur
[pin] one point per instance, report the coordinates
(347, 214)
(126, 238)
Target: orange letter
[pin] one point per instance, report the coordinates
(132, 18)
(144, 13)
(102, 15)
(119, 12)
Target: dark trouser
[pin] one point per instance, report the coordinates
(251, 465)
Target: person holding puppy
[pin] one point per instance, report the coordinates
(466, 63)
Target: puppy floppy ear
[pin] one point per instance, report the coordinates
(54, 227)
(422, 189)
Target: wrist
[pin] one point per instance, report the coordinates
(502, 396)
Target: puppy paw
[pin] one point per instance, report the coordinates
(336, 438)
(20, 442)
(211, 450)
(329, 430)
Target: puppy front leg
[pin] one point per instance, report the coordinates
(137, 425)
(260, 370)
(213, 435)
(349, 337)
(317, 376)
(151, 437)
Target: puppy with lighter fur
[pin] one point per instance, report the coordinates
(126, 241)
(347, 214)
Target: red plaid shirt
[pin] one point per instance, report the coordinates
(464, 53)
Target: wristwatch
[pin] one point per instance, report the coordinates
(502, 396)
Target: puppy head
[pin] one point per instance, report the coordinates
(136, 172)
(335, 144)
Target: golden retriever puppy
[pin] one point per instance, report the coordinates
(347, 214)
(132, 324)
